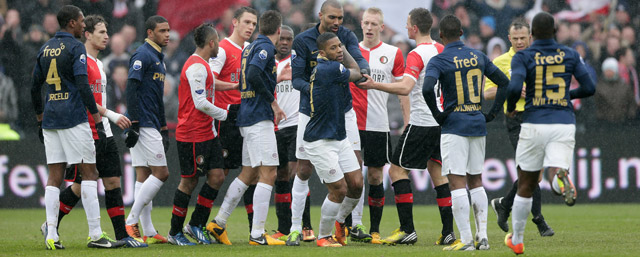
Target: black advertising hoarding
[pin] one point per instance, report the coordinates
(606, 168)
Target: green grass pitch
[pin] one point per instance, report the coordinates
(581, 230)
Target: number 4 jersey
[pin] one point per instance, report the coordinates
(460, 70)
(61, 59)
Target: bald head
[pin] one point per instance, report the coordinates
(332, 3)
(543, 26)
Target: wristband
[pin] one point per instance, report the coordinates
(112, 116)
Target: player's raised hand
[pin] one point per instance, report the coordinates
(165, 139)
(278, 114)
(366, 84)
(40, 135)
(101, 142)
(123, 122)
(132, 135)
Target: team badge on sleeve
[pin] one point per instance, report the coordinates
(263, 54)
(137, 65)
(83, 59)
(342, 68)
(293, 54)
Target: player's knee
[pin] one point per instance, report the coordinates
(187, 184)
(76, 189)
(374, 176)
(111, 183)
(215, 178)
(161, 173)
(304, 170)
(282, 174)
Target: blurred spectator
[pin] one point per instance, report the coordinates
(473, 40)
(296, 21)
(400, 42)
(496, 47)
(586, 103)
(50, 24)
(130, 35)
(563, 34)
(116, 91)
(487, 28)
(628, 36)
(34, 41)
(614, 99)
(627, 70)
(612, 45)
(118, 55)
(575, 32)
(170, 99)
(505, 10)
(466, 19)
(11, 25)
(8, 108)
(174, 57)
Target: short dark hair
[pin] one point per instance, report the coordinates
(287, 28)
(520, 23)
(91, 21)
(270, 22)
(152, 21)
(321, 41)
(238, 13)
(620, 52)
(332, 3)
(450, 27)
(543, 26)
(203, 33)
(421, 17)
(66, 14)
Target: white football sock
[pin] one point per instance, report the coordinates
(480, 205)
(519, 214)
(356, 214)
(89, 189)
(145, 215)
(52, 207)
(346, 208)
(328, 214)
(460, 208)
(231, 198)
(299, 193)
(261, 198)
(147, 192)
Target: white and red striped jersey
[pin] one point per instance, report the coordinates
(288, 98)
(98, 83)
(386, 63)
(226, 67)
(417, 61)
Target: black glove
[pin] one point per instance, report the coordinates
(363, 79)
(132, 135)
(101, 142)
(165, 139)
(232, 115)
(441, 117)
(40, 135)
(488, 117)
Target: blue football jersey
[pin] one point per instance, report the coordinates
(327, 101)
(306, 57)
(254, 107)
(147, 66)
(460, 71)
(61, 59)
(547, 68)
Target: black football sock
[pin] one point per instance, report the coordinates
(376, 205)
(248, 204)
(507, 201)
(443, 197)
(306, 215)
(180, 204)
(283, 206)
(536, 206)
(200, 214)
(348, 221)
(404, 204)
(115, 209)
(68, 200)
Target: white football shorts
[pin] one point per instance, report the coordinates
(259, 146)
(545, 145)
(72, 145)
(331, 158)
(462, 155)
(149, 150)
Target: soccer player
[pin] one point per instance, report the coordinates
(520, 37)
(199, 149)
(325, 139)
(331, 15)
(226, 68)
(547, 137)
(64, 127)
(460, 70)
(256, 116)
(289, 100)
(387, 64)
(419, 145)
(148, 136)
(107, 159)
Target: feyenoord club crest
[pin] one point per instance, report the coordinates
(199, 159)
(384, 59)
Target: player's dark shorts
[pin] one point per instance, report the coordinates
(196, 159)
(513, 128)
(416, 146)
(231, 141)
(107, 163)
(376, 148)
(286, 139)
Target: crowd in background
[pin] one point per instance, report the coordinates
(606, 39)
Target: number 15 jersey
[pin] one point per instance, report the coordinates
(460, 70)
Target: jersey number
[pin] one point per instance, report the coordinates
(474, 97)
(52, 75)
(244, 78)
(550, 80)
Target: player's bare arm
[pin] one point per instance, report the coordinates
(119, 119)
(402, 87)
(351, 64)
(225, 86)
